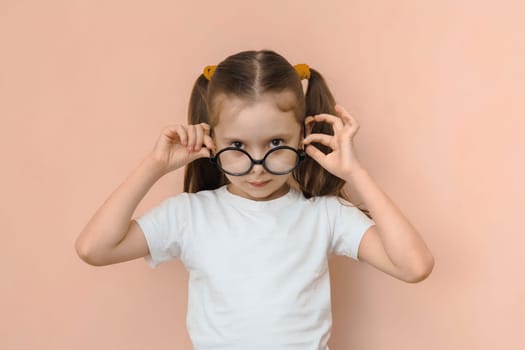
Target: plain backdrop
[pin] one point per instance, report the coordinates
(438, 90)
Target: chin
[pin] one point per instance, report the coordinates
(268, 191)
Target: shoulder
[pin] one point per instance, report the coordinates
(182, 200)
(205, 194)
(334, 206)
(202, 198)
(325, 206)
(324, 200)
(338, 201)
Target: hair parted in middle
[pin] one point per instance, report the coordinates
(247, 75)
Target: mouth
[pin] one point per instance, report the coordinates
(259, 184)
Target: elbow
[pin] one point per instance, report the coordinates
(84, 254)
(422, 272)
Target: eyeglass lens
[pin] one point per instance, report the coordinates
(278, 161)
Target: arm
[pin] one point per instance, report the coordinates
(392, 245)
(110, 224)
(110, 236)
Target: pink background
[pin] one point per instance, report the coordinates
(437, 87)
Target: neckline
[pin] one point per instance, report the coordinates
(250, 204)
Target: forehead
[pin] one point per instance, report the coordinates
(269, 115)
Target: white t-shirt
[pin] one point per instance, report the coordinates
(258, 270)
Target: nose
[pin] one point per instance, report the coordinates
(258, 169)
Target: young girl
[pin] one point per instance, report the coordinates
(263, 207)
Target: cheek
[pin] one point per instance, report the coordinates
(232, 179)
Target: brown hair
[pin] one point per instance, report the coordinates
(248, 75)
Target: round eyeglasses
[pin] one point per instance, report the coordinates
(279, 160)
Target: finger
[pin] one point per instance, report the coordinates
(345, 116)
(175, 133)
(309, 124)
(351, 126)
(336, 122)
(206, 128)
(321, 138)
(307, 127)
(315, 154)
(208, 141)
(191, 137)
(199, 137)
(309, 119)
(204, 152)
(170, 131)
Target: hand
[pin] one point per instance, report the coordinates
(181, 144)
(342, 161)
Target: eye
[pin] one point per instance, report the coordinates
(278, 143)
(236, 144)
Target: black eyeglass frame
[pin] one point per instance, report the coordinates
(301, 155)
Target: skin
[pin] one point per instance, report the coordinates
(257, 128)
(392, 245)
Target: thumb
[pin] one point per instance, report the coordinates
(203, 153)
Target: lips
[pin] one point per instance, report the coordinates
(259, 183)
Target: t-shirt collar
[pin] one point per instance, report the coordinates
(250, 204)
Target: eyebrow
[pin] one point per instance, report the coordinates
(284, 135)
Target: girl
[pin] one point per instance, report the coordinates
(263, 207)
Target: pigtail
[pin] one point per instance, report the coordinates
(312, 178)
(201, 174)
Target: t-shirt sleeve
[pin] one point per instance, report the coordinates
(348, 226)
(164, 228)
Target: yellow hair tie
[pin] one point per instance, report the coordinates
(302, 70)
(208, 71)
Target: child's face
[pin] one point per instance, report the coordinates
(256, 128)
